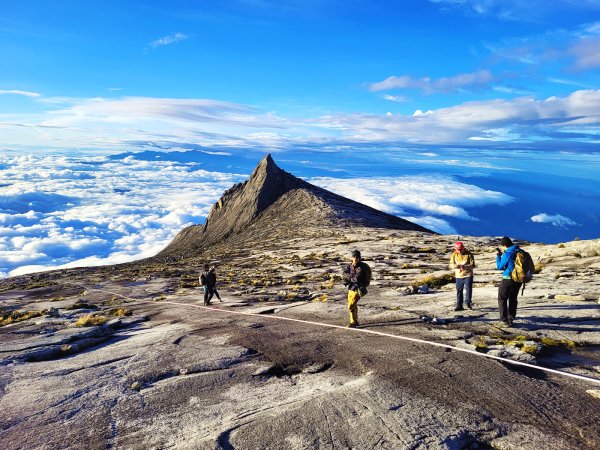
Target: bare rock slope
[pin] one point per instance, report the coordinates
(128, 357)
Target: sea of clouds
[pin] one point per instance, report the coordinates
(436, 198)
(60, 211)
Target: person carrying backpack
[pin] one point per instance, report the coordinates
(463, 262)
(508, 291)
(208, 279)
(357, 276)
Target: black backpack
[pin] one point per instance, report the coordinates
(368, 274)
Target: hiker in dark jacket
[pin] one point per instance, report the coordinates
(508, 290)
(208, 279)
(355, 277)
(215, 291)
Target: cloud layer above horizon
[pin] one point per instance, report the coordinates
(570, 122)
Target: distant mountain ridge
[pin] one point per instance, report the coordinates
(275, 202)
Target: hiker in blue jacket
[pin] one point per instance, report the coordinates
(508, 290)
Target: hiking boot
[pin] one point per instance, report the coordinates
(469, 306)
(502, 324)
(352, 325)
(459, 308)
(509, 320)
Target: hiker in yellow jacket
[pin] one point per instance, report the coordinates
(462, 262)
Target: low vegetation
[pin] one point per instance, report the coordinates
(436, 281)
(18, 316)
(557, 342)
(39, 284)
(81, 305)
(119, 312)
(91, 320)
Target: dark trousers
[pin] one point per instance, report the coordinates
(465, 284)
(208, 294)
(508, 291)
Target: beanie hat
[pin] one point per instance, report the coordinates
(356, 254)
(459, 246)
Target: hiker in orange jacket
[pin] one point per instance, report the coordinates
(463, 263)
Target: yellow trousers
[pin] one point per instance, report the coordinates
(353, 297)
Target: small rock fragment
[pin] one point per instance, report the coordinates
(317, 368)
(263, 370)
(113, 323)
(136, 385)
(594, 392)
(53, 312)
(569, 298)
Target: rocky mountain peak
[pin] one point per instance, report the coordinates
(275, 202)
(265, 167)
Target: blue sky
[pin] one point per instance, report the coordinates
(261, 72)
(453, 113)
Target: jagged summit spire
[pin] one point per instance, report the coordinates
(266, 167)
(266, 163)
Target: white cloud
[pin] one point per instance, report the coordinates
(167, 40)
(474, 80)
(586, 53)
(568, 82)
(18, 92)
(519, 10)
(97, 211)
(395, 98)
(431, 195)
(572, 50)
(433, 223)
(556, 220)
(523, 118)
(109, 123)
